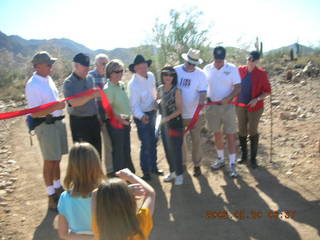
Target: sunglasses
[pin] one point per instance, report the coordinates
(118, 71)
(250, 59)
(168, 74)
(191, 64)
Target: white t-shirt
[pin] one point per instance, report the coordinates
(221, 81)
(142, 94)
(191, 85)
(41, 90)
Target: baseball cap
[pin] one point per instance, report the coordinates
(219, 53)
(43, 57)
(82, 58)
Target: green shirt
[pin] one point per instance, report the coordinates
(118, 97)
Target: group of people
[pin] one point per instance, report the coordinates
(92, 202)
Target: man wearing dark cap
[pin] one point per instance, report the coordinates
(49, 126)
(255, 87)
(83, 112)
(142, 95)
(223, 86)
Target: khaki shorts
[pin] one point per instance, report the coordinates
(52, 140)
(218, 116)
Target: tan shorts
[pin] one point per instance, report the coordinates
(218, 116)
(52, 140)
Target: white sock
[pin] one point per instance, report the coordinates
(232, 158)
(220, 154)
(51, 190)
(56, 184)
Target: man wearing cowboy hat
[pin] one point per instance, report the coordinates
(142, 94)
(223, 85)
(193, 84)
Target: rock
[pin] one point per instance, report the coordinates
(288, 116)
(289, 172)
(11, 161)
(275, 103)
(3, 204)
(3, 193)
(302, 116)
(303, 83)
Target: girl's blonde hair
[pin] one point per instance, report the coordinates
(116, 211)
(84, 171)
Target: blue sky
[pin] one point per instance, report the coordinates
(109, 24)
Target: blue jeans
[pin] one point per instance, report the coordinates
(173, 149)
(148, 150)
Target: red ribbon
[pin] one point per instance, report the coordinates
(104, 99)
(196, 116)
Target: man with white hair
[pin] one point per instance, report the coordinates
(98, 76)
(193, 84)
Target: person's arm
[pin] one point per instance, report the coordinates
(232, 95)
(135, 104)
(34, 100)
(266, 90)
(76, 102)
(203, 87)
(63, 231)
(178, 100)
(150, 195)
(236, 81)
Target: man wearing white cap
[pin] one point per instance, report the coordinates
(223, 85)
(193, 84)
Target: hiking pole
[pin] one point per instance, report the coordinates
(271, 129)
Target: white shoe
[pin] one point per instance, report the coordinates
(169, 177)
(179, 180)
(218, 164)
(233, 170)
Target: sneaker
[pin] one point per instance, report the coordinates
(233, 171)
(218, 164)
(196, 171)
(179, 180)
(157, 171)
(169, 177)
(52, 202)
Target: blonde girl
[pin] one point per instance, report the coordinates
(116, 216)
(84, 174)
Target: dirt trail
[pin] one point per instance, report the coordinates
(180, 211)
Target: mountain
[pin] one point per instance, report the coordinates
(62, 47)
(303, 50)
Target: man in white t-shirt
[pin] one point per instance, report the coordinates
(193, 84)
(49, 126)
(223, 85)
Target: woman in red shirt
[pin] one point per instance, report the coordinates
(255, 87)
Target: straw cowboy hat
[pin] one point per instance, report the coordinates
(193, 56)
(139, 59)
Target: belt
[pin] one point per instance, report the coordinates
(83, 117)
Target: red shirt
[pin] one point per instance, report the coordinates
(260, 84)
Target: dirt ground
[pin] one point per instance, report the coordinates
(181, 212)
(213, 206)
